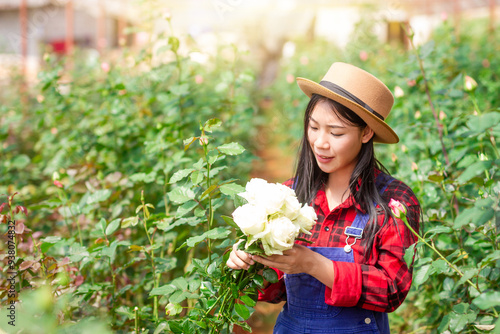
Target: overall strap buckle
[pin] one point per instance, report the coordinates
(359, 223)
(352, 231)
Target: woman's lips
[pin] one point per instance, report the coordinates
(323, 158)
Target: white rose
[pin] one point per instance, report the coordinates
(250, 219)
(291, 208)
(272, 198)
(306, 218)
(253, 189)
(280, 235)
(287, 190)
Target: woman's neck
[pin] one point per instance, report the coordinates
(337, 188)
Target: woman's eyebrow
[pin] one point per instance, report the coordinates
(333, 126)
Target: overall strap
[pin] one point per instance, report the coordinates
(382, 182)
(356, 229)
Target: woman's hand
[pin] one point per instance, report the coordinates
(300, 259)
(297, 260)
(238, 259)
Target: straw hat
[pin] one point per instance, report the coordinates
(359, 91)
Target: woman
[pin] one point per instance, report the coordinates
(354, 272)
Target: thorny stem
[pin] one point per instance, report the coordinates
(452, 266)
(136, 320)
(427, 92)
(210, 209)
(439, 126)
(155, 283)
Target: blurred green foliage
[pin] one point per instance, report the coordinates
(124, 229)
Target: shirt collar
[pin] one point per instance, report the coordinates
(322, 202)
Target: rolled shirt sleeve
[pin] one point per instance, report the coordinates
(381, 284)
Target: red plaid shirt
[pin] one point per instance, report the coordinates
(379, 284)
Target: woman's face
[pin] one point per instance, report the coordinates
(334, 143)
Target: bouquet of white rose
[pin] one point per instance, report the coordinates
(273, 217)
(270, 222)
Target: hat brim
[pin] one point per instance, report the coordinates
(383, 132)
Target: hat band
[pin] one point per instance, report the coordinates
(342, 92)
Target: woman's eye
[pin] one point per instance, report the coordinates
(313, 128)
(337, 134)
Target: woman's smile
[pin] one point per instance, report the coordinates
(323, 158)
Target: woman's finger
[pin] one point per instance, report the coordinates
(239, 260)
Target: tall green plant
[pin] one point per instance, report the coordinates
(208, 288)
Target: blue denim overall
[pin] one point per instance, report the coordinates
(306, 311)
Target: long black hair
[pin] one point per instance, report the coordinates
(309, 178)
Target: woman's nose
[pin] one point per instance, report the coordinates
(322, 141)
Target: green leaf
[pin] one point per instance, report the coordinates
(493, 256)
(248, 301)
(211, 268)
(459, 321)
(435, 178)
(214, 156)
(409, 254)
(130, 221)
(211, 124)
(175, 327)
(178, 296)
(110, 251)
(185, 208)
(426, 49)
(422, 274)
(179, 90)
(208, 191)
(231, 189)
(270, 275)
(480, 123)
(180, 283)
(259, 280)
(143, 177)
(487, 300)
(437, 230)
(440, 266)
(161, 327)
(181, 195)
(461, 308)
(180, 174)
(242, 311)
(21, 161)
(77, 252)
(173, 309)
(113, 226)
(468, 274)
(443, 326)
(215, 171)
(99, 196)
(196, 177)
(163, 290)
(102, 225)
(230, 221)
(194, 285)
(473, 170)
(189, 327)
(216, 233)
(464, 218)
(49, 242)
(188, 142)
(231, 149)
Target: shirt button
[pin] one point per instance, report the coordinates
(327, 228)
(368, 321)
